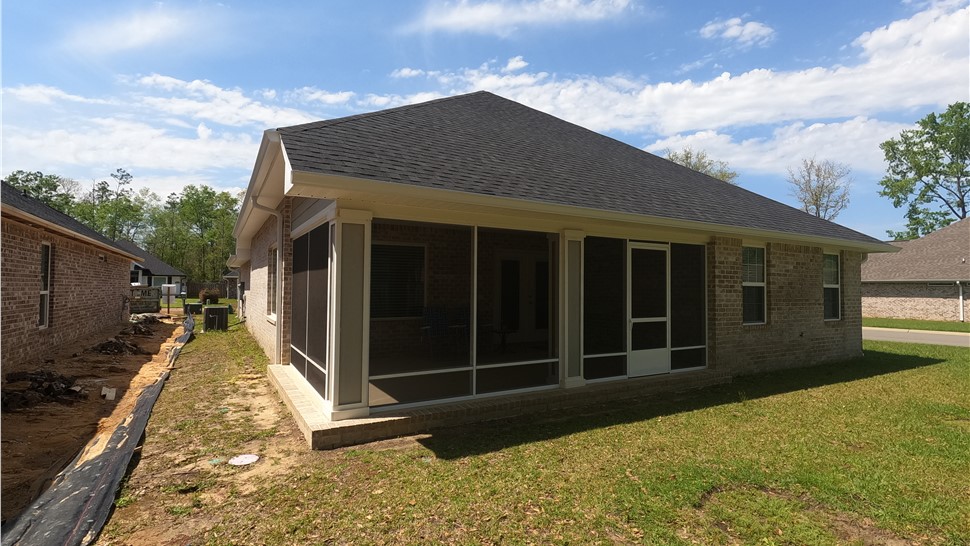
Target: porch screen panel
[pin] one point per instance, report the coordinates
(516, 295)
(318, 262)
(421, 292)
(298, 321)
(688, 306)
(604, 308)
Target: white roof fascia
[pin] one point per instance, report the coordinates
(336, 187)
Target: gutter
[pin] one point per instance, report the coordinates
(279, 275)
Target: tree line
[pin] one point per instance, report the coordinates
(191, 230)
(928, 173)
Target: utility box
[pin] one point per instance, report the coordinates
(215, 317)
(168, 296)
(193, 308)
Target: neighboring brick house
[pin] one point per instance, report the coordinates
(927, 279)
(472, 246)
(60, 279)
(151, 270)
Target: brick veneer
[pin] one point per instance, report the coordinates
(87, 294)
(256, 272)
(920, 301)
(795, 333)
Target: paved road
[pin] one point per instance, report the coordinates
(916, 336)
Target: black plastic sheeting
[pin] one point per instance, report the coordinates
(76, 506)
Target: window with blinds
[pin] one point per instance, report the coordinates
(753, 285)
(831, 287)
(43, 316)
(397, 281)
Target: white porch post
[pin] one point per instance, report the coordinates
(571, 304)
(351, 314)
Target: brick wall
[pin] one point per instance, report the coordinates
(920, 301)
(257, 321)
(448, 263)
(795, 333)
(87, 294)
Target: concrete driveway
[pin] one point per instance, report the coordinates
(916, 336)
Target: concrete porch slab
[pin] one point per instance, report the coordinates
(321, 433)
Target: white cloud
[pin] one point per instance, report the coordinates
(203, 132)
(854, 142)
(515, 63)
(199, 99)
(407, 73)
(743, 34)
(312, 94)
(135, 31)
(931, 44)
(107, 143)
(45, 94)
(502, 17)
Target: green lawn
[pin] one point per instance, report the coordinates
(910, 324)
(865, 452)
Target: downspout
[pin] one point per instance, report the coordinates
(279, 275)
(960, 291)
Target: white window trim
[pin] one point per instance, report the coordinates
(837, 286)
(271, 284)
(47, 292)
(763, 284)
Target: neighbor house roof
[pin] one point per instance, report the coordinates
(150, 261)
(943, 255)
(30, 210)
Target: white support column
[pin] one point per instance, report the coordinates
(571, 306)
(351, 315)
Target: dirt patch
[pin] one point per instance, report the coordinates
(725, 509)
(53, 404)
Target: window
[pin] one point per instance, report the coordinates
(753, 285)
(271, 282)
(43, 317)
(830, 286)
(397, 281)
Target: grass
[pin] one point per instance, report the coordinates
(867, 451)
(910, 324)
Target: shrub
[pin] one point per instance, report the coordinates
(209, 296)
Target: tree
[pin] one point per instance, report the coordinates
(700, 162)
(56, 191)
(929, 171)
(822, 187)
(117, 213)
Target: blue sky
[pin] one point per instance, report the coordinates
(179, 92)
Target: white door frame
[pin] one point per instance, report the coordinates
(647, 361)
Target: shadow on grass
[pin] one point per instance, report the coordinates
(479, 438)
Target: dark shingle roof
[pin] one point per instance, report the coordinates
(15, 198)
(151, 262)
(484, 144)
(943, 255)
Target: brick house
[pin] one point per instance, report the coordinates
(473, 247)
(61, 279)
(927, 279)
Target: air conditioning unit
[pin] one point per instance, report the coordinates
(215, 317)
